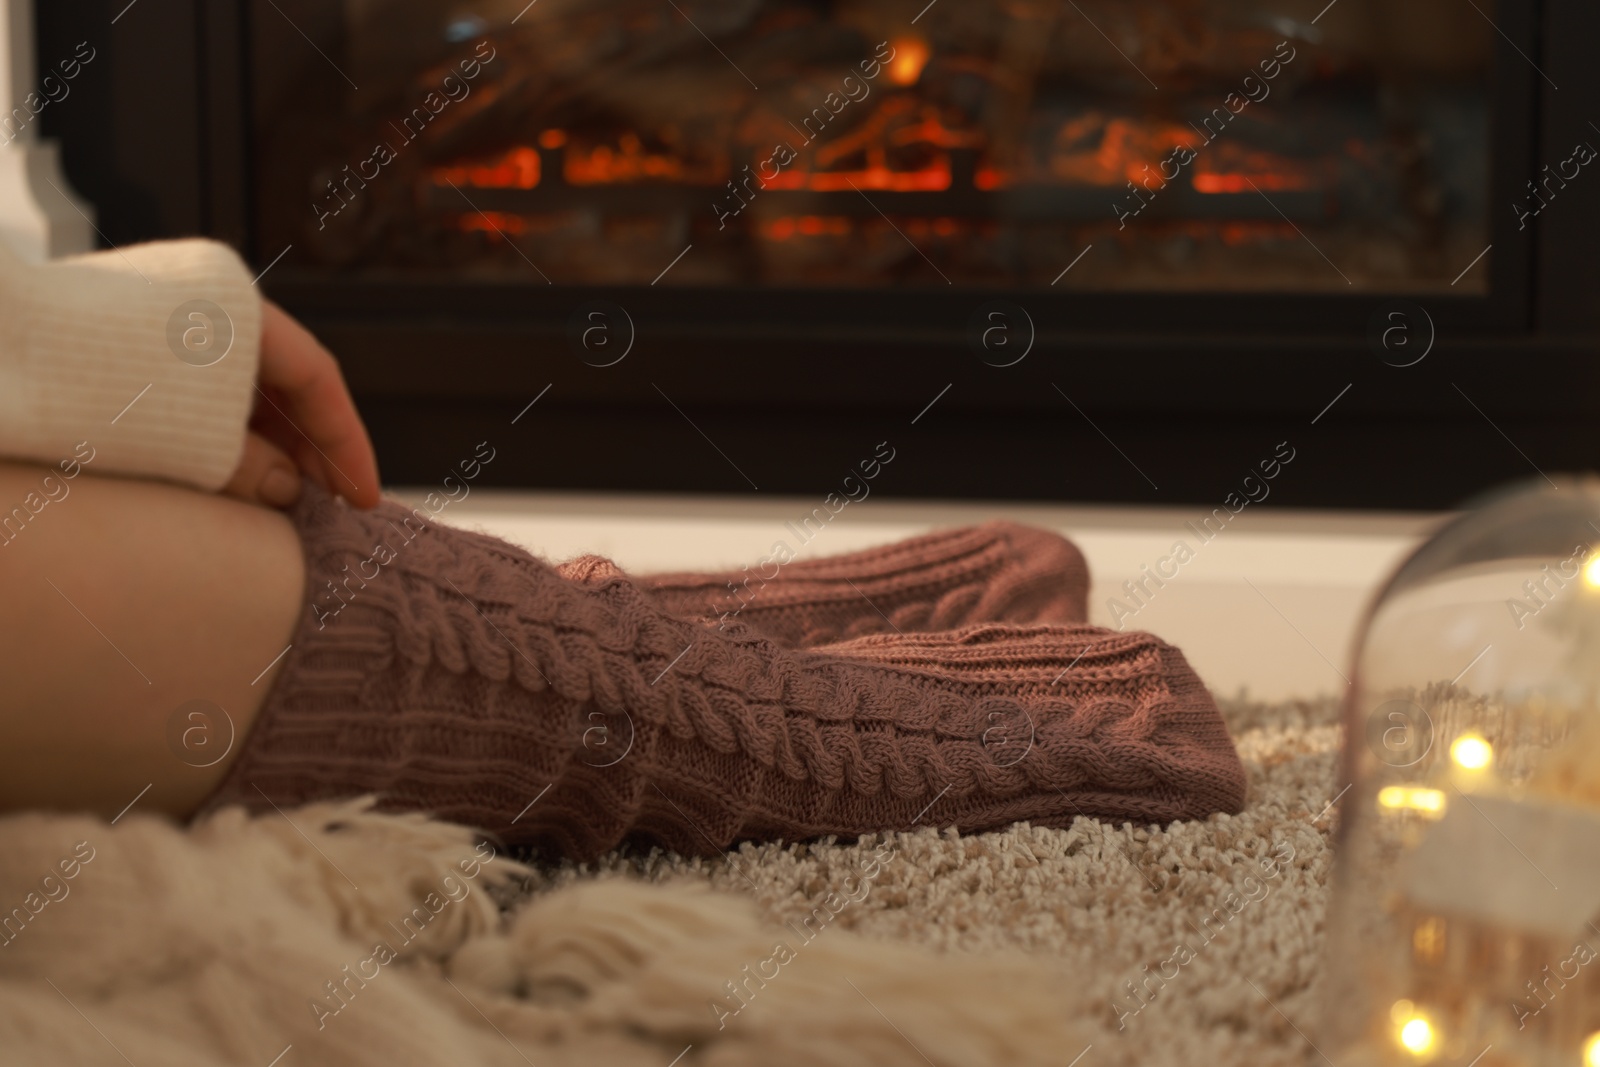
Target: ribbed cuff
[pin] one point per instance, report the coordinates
(148, 354)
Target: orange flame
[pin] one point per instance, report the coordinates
(628, 162)
(782, 229)
(911, 54)
(516, 169)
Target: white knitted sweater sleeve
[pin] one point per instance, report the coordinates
(146, 355)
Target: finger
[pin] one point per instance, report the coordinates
(265, 475)
(315, 400)
(312, 466)
(301, 386)
(270, 422)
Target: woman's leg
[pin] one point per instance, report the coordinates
(449, 672)
(125, 601)
(997, 572)
(452, 673)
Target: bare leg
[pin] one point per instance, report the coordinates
(122, 602)
(459, 676)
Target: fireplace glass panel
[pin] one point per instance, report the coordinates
(1124, 145)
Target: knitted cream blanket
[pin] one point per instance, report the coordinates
(331, 935)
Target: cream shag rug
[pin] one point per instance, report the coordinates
(1217, 924)
(331, 935)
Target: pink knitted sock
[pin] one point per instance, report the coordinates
(452, 673)
(997, 572)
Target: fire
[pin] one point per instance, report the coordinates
(911, 54)
(1236, 172)
(630, 161)
(808, 226)
(516, 169)
(1231, 168)
(1093, 149)
(789, 227)
(1096, 149)
(1240, 183)
(930, 179)
(493, 222)
(906, 144)
(901, 122)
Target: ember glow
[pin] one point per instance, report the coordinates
(493, 222)
(911, 54)
(904, 145)
(628, 161)
(516, 169)
(1002, 137)
(884, 153)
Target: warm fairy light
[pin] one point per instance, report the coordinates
(552, 139)
(1427, 940)
(1591, 1050)
(910, 56)
(1417, 1036)
(1591, 572)
(1429, 802)
(1413, 1029)
(1471, 752)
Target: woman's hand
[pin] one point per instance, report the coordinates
(304, 425)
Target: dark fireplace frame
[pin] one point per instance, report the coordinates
(1138, 399)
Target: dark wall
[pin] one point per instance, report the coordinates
(153, 131)
(130, 129)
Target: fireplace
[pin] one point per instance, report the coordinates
(1063, 249)
(1168, 145)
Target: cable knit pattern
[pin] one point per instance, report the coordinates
(1000, 571)
(463, 677)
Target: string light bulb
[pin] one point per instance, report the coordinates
(1469, 739)
(1429, 803)
(1471, 752)
(1412, 1029)
(1417, 1036)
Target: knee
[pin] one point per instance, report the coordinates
(31, 499)
(125, 599)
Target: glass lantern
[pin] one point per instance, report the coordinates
(1465, 922)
